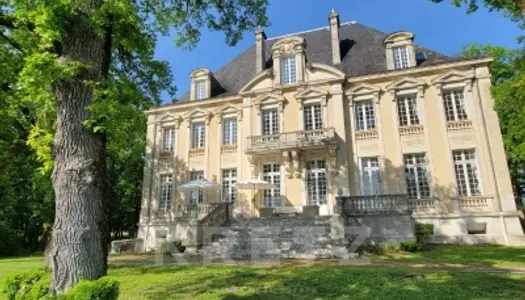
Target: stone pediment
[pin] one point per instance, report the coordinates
(362, 89)
(453, 76)
(311, 92)
(199, 73)
(406, 83)
(229, 109)
(269, 99)
(289, 45)
(198, 113)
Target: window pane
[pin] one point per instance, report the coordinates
(272, 173)
(316, 182)
(370, 176)
(229, 179)
(467, 176)
(168, 137)
(200, 89)
(288, 70)
(312, 117)
(455, 107)
(417, 176)
(270, 122)
(196, 196)
(400, 57)
(407, 110)
(165, 192)
(198, 134)
(229, 132)
(364, 115)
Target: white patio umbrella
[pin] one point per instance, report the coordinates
(198, 185)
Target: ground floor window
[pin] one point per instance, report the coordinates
(229, 179)
(417, 176)
(272, 174)
(166, 185)
(370, 176)
(196, 197)
(467, 176)
(316, 182)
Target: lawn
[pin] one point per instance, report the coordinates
(482, 255)
(319, 281)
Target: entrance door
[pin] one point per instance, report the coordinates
(272, 174)
(316, 185)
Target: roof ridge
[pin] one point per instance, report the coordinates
(309, 30)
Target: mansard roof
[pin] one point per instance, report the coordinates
(362, 53)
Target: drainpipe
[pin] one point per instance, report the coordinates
(492, 168)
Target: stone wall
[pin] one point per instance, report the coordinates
(392, 228)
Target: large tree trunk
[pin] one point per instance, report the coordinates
(78, 246)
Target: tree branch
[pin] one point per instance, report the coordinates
(11, 42)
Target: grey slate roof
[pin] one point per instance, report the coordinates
(362, 53)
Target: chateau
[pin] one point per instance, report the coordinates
(345, 116)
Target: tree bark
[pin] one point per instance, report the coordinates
(78, 245)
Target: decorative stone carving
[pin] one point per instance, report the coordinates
(198, 113)
(454, 79)
(251, 161)
(312, 95)
(295, 159)
(361, 92)
(288, 45)
(268, 99)
(228, 109)
(407, 83)
(287, 165)
(334, 170)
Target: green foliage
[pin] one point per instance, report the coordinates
(10, 244)
(101, 289)
(32, 285)
(423, 233)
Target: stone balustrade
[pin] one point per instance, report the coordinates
(289, 140)
(198, 209)
(459, 125)
(196, 151)
(474, 204)
(367, 135)
(424, 205)
(411, 130)
(229, 149)
(379, 204)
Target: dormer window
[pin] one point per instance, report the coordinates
(401, 60)
(200, 90)
(399, 50)
(289, 70)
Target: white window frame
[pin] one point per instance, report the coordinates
(272, 196)
(420, 183)
(198, 135)
(229, 131)
(466, 162)
(196, 197)
(370, 176)
(313, 116)
(273, 121)
(229, 179)
(455, 102)
(200, 89)
(165, 191)
(289, 70)
(364, 121)
(401, 58)
(168, 139)
(408, 100)
(316, 174)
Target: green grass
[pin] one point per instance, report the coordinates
(482, 255)
(321, 281)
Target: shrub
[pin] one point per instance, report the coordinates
(26, 285)
(379, 248)
(101, 289)
(172, 247)
(423, 233)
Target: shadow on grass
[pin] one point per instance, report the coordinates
(479, 255)
(231, 283)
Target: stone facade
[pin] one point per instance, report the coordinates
(304, 131)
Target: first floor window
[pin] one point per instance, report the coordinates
(198, 135)
(229, 179)
(288, 70)
(165, 191)
(364, 115)
(454, 102)
(370, 176)
(229, 132)
(196, 197)
(417, 176)
(200, 89)
(467, 174)
(316, 182)
(168, 139)
(313, 117)
(407, 110)
(270, 122)
(401, 57)
(272, 174)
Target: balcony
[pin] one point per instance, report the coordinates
(459, 125)
(304, 140)
(375, 205)
(473, 204)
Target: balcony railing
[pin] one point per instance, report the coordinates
(380, 204)
(474, 204)
(411, 130)
(424, 205)
(366, 135)
(459, 125)
(297, 139)
(182, 210)
(228, 148)
(196, 151)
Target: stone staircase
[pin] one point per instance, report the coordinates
(275, 238)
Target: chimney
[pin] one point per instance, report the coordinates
(334, 32)
(260, 50)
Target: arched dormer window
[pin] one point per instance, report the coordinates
(200, 84)
(400, 50)
(289, 60)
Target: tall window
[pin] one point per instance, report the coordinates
(288, 70)
(272, 174)
(401, 57)
(370, 176)
(168, 139)
(417, 176)
(313, 117)
(364, 115)
(270, 122)
(455, 108)
(229, 179)
(196, 197)
(407, 110)
(229, 132)
(467, 175)
(316, 182)
(200, 89)
(198, 135)
(165, 192)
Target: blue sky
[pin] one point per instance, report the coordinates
(441, 27)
